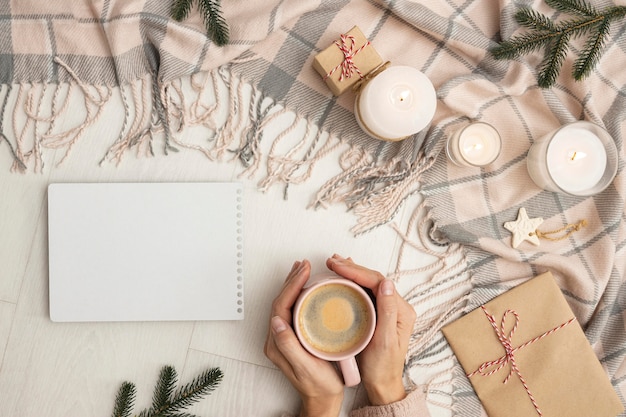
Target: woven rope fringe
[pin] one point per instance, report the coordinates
(31, 113)
(438, 300)
(214, 113)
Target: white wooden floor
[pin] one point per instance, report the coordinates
(63, 370)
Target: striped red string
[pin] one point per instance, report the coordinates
(491, 367)
(348, 67)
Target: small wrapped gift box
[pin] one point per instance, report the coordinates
(525, 354)
(346, 61)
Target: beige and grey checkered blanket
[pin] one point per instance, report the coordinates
(171, 78)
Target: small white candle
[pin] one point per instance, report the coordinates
(477, 144)
(397, 103)
(578, 159)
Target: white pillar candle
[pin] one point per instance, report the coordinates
(395, 104)
(477, 144)
(578, 159)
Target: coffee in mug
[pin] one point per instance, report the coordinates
(334, 319)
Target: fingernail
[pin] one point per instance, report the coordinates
(278, 325)
(387, 287)
(301, 266)
(337, 258)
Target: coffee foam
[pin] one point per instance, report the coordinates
(334, 318)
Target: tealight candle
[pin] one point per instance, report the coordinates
(579, 158)
(477, 144)
(395, 104)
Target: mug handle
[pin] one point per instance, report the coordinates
(350, 372)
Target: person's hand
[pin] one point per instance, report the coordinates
(382, 362)
(317, 381)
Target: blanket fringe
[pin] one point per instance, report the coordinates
(438, 300)
(33, 132)
(217, 114)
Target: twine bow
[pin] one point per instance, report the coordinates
(491, 367)
(346, 45)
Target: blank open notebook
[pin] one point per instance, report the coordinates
(145, 251)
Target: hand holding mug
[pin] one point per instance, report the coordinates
(382, 361)
(317, 381)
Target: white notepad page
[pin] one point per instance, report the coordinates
(145, 251)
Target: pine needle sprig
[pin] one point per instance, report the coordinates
(575, 7)
(166, 402)
(164, 388)
(124, 400)
(196, 389)
(554, 38)
(553, 60)
(532, 19)
(214, 22)
(592, 51)
(181, 9)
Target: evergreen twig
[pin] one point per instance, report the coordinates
(191, 393)
(164, 388)
(124, 400)
(166, 401)
(215, 24)
(555, 37)
(181, 9)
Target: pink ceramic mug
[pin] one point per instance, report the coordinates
(334, 319)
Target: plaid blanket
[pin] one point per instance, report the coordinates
(171, 78)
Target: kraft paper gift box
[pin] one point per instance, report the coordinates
(538, 363)
(351, 51)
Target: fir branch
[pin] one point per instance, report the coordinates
(554, 38)
(576, 7)
(166, 402)
(590, 55)
(519, 45)
(215, 24)
(195, 390)
(164, 387)
(553, 61)
(124, 400)
(532, 19)
(181, 9)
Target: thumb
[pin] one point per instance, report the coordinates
(287, 342)
(387, 309)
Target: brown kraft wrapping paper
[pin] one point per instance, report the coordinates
(563, 376)
(359, 59)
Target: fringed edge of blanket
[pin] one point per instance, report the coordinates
(438, 300)
(158, 115)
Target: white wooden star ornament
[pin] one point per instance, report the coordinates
(524, 228)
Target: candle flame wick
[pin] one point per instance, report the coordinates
(577, 156)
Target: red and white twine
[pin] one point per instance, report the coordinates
(491, 367)
(348, 67)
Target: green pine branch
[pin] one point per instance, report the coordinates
(164, 388)
(124, 400)
(196, 389)
(215, 24)
(165, 400)
(554, 38)
(576, 7)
